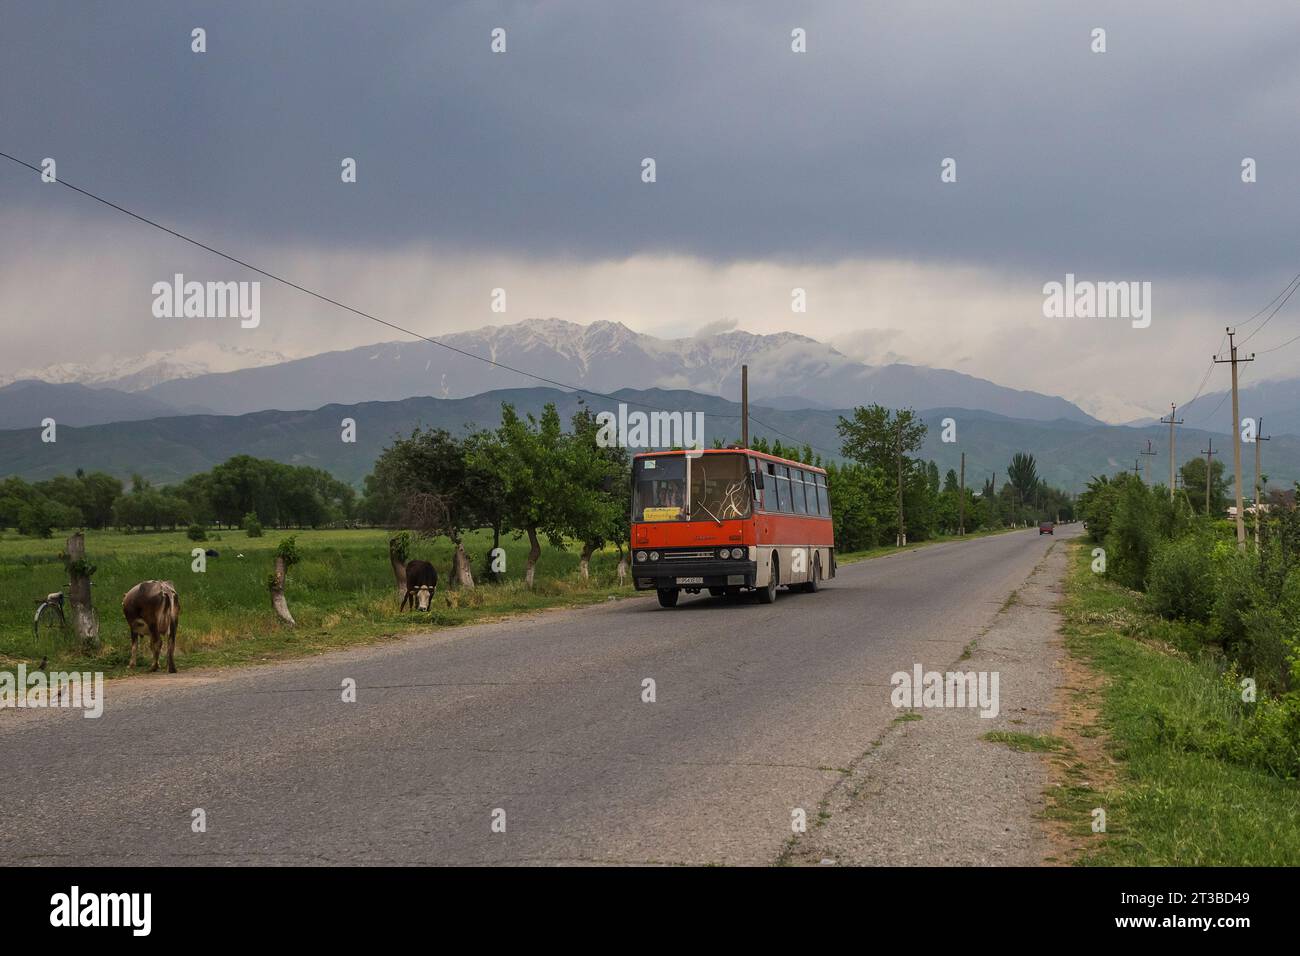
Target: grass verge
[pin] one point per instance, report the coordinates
(1164, 804)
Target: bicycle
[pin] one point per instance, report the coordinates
(49, 620)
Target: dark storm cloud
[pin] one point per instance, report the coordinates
(1124, 163)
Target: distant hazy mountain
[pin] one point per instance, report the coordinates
(602, 356)
(134, 373)
(168, 449)
(1277, 402)
(26, 404)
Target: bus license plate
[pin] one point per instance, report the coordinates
(690, 580)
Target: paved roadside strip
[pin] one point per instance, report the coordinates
(935, 791)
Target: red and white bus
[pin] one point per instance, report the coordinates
(727, 519)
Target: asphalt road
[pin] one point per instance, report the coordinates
(758, 710)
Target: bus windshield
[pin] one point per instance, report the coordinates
(718, 488)
(659, 489)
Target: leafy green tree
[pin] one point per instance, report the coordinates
(594, 509)
(881, 439)
(532, 474)
(1022, 473)
(1193, 472)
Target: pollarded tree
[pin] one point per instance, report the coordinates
(423, 483)
(532, 476)
(595, 506)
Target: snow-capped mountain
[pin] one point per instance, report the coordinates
(603, 356)
(135, 373)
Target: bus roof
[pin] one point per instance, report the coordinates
(733, 451)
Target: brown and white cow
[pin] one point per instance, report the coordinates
(151, 607)
(421, 582)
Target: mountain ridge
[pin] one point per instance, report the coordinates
(169, 449)
(599, 357)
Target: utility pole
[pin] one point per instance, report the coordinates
(1171, 421)
(961, 496)
(1209, 474)
(902, 532)
(1259, 437)
(1136, 467)
(1236, 435)
(1150, 454)
(744, 406)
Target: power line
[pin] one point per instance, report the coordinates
(1294, 279)
(374, 318)
(1292, 286)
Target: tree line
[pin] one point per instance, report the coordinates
(275, 494)
(533, 477)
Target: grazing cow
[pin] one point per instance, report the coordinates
(151, 608)
(421, 582)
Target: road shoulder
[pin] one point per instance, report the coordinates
(934, 789)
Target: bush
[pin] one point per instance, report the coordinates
(1181, 582)
(1134, 532)
(196, 532)
(1236, 598)
(251, 525)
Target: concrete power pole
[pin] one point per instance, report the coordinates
(1209, 474)
(1171, 421)
(1149, 455)
(1236, 435)
(744, 406)
(961, 495)
(1259, 437)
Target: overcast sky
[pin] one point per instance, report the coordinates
(775, 169)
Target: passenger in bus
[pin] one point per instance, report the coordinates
(670, 495)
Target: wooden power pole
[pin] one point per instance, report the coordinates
(1171, 421)
(1236, 434)
(961, 495)
(902, 531)
(1259, 437)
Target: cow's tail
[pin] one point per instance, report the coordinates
(171, 606)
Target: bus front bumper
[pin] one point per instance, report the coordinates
(693, 575)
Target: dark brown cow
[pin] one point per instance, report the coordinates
(421, 582)
(151, 607)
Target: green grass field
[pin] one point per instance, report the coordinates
(341, 593)
(1168, 805)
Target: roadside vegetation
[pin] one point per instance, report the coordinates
(1197, 645)
(341, 592)
(529, 515)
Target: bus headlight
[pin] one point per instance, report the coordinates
(640, 555)
(654, 555)
(724, 553)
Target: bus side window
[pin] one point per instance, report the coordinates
(823, 502)
(783, 489)
(797, 491)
